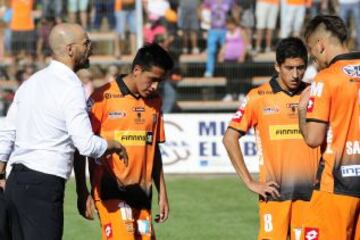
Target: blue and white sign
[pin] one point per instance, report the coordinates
(194, 144)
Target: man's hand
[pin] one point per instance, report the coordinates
(2, 184)
(265, 189)
(304, 98)
(85, 205)
(119, 149)
(163, 209)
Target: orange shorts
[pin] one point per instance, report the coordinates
(280, 219)
(332, 217)
(119, 221)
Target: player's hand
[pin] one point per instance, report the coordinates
(119, 149)
(85, 204)
(163, 209)
(2, 184)
(265, 189)
(304, 98)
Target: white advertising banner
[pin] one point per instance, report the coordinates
(194, 144)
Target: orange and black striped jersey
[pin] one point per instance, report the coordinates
(137, 124)
(334, 100)
(284, 156)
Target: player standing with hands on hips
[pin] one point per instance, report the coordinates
(287, 165)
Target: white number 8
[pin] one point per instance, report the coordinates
(268, 226)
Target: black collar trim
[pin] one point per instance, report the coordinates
(275, 86)
(123, 88)
(345, 56)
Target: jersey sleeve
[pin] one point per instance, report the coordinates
(95, 106)
(245, 117)
(318, 109)
(160, 129)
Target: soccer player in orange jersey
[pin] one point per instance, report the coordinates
(287, 165)
(128, 110)
(329, 117)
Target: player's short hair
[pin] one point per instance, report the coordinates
(291, 47)
(333, 24)
(153, 55)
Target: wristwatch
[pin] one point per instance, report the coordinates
(2, 176)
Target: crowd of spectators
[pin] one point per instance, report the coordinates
(224, 30)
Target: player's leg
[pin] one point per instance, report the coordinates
(299, 211)
(331, 216)
(274, 218)
(119, 221)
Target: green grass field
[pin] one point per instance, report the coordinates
(201, 208)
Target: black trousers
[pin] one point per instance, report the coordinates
(4, 223)
(34, 203)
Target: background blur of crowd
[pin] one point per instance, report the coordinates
(229, 31)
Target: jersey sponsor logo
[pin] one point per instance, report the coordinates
(316, 89)
(117, 115)
(311, 233)
(240, 112)
(133, 138)
(271, 110)
(264, 92)
(138, 109)
(108, 231)
(352, 147)
(350, 171)
(310, 106)
(284, 132)
(238, 115)
(112, 95)
(352, 70)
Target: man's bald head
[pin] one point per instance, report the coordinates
(64, 34)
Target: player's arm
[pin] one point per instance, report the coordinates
(159, 181)
(85, 202)
(232, 146)
(314, 132)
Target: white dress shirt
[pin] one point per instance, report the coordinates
(46, 121)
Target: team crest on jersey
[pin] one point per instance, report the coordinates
(352, 70)
(108, 231)
(311, 233)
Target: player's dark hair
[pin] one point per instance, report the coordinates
(291, 47)
(153, 55)
(333, 24)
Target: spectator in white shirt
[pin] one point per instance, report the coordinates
(44, 125)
